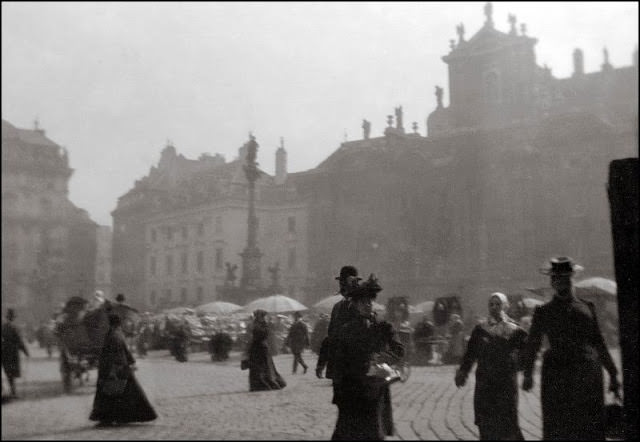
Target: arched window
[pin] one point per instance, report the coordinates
(492, 87)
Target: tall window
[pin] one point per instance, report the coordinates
(152, 297)
(292, 258)
(152, 265)
(201, 229)
(169, 233)
(219, 259)
(491, 82)
(200, 261)
(199, 295)
(184, 232)
(169, 265)
(183, 296)
(167, 295)
(153, 235)
(218, 224)
(184, 263)
(292, 224)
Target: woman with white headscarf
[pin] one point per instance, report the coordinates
(494, 345)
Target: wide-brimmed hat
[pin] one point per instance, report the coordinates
(561, 265)
(347, 271)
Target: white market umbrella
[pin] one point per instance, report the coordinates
(179, 311)
(425, 307)
(532, 302)
(218, 308)
(275, 304)
(597, 287)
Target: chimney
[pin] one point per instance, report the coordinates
(578, 63)
(281, 163)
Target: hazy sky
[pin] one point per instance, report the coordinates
(113, 81)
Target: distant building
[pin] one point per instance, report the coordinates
(512, 172)
(48, 244)
(180, 225)
(103, 260)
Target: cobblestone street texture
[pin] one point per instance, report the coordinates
(200, 399)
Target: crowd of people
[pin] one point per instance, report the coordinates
(357, 350)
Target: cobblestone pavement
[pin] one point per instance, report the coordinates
(200, 399)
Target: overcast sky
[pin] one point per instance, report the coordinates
(113, 81)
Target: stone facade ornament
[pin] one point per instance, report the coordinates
(488, 12)
(460, 32)
(512, 22)
(439, 92)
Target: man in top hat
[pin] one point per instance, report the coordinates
(363, 399)
(298, 340)
(341, 312)
(571, 383)
(11, 345)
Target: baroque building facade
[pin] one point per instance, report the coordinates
(179, 232)
(48, 244)
(512, 172)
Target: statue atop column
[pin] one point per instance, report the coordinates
(439, 92)
(605, 55)
(366, 129)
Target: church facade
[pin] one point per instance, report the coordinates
(512, 172)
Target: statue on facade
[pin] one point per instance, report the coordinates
(390, 120)
(275, 274)
(488, 11)
(398, 111)
(460, 32)
(439, 92)
(512, 22)
(414, 126)
(231, 274)
(366, 129)
(452, 44)
(523, 29)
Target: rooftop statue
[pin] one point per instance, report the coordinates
(366, 129)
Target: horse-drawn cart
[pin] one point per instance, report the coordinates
(81, 333)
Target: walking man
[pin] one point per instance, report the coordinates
(11, 345)
(298, 340)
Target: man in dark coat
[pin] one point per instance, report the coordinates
(12, 344)
(572, 385)
(116, 361)
(342, 311)
(298, 340)
(363, 400)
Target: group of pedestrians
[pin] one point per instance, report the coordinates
(359, 348)
(571, 382)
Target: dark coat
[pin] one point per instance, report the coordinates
(341, 313)
(132, 405)
(298, 338)
(262, 372)
(12, 343)
(496, 350)
(571, 386)
(364, 402)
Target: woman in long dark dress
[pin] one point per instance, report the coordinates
(363, 399)
(494, 345)
(132, 404)
(572, 386)
(262, 372)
